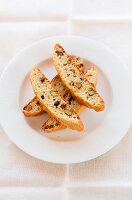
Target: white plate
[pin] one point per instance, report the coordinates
(103, 130)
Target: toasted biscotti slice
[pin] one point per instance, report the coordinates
(52, 102)
(52, 124)
(33, 108)
(76, 81)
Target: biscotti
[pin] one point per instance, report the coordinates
(75, 80)
(33, 107)
(52, 102)
(52, 124)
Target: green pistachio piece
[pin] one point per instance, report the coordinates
(68, 112)
(90, 91)
(53, 93)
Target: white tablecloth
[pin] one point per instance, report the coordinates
(108, 177)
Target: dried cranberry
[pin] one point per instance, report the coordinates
(42, 96)
(63, 106)
(59, 53)
(57, 123)
(46, 127)
(70, 99)
(80, 65)
(42, 79)
(56, 103)
(38, 103)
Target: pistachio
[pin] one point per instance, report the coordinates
(91, 91)
(78, 85)
(53, 93)
(92, 84)
(68, 112)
